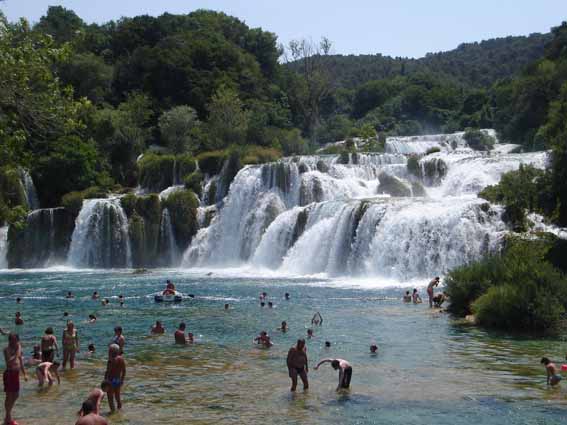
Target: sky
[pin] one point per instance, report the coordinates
(409, 28)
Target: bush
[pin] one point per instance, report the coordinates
(149, 207)
(259, 155)
(432, 150)
(194, 182)
(156, 171)
(128, 203)
(73, 201)
(186, 164)
(211, 162)
(516, 290)
(478, 140)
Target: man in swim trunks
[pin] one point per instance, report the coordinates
(89, 416)
(49, 346)
(180, 334)
(14, 365)
(115, 374)
(432, 284)
(298, 365)
(344, 368)
(45, 372)
(70, 344)
(553, 377)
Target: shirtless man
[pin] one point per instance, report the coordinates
(45, 372)
(157, 329)
(118, 338)
(298, 365)
(553, 377)
(432, 284)
(96, 396)
(115, 374)
(18, 320)
(344, 368)
(180, 334)
(263, 339)
(14, 365)
(89, 416)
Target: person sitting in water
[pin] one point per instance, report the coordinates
(226, 306)
(553, 377)
(157, 329)
(115, 374)
(284, 328)
(439, 299)
(18, 300)
(95, 296)
(344, 368)
(373, 349)
(180, 334)
(69, 295)
(263, 339)
(89, 416)
(96, 396)
(415, 297)
(407, 297)
(169, 288)
(46, 372)
(18, 320)
(327, 344)
(317, 319)
(286, 296)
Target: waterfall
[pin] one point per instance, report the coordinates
(323, 213)
(167, 243)
(100, 238)
(29, 190)
(4, 247)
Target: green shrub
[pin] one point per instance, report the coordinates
(128, 203)
(149, 207)
(194, 182)
(156, 171)
(332, 150)
(259, 155)
(95, 192)
(186, 164)
(211, 162)
(432, 150)
(478, 140)
(182, 206)
(73, 202)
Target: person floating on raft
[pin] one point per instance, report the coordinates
(169, 288)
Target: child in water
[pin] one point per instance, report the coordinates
(553, 378)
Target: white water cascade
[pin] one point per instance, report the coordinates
(315, 214)
(3, 247)
(167, 243)
(29, 190)
(100, 238)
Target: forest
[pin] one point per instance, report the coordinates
(81, 102)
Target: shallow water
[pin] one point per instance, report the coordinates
(430, 370)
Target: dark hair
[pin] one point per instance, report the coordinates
(262, 304)
(437, 278)
(118, 329)
(91, 347)
(182, 325)
(65, 314)
(407, 292)
(105, 384)
(414, 290)
(49, 331)
(301, 341)
(56, 364)
(335, 364)
(88, 407)
(327, 343)
(545, 361)
(18, 313)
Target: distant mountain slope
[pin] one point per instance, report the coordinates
(470, 64)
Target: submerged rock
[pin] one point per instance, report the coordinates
(392, 186)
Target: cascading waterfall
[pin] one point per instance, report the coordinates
(4, 247)
(29, 190)
(167, 244)
(100, 238)
(315, 214)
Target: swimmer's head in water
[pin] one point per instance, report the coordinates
(65, 314)
(270, 304)
(335, 364)
(226, 306)
(91, 347)
(545, 361)
(18, 314)
(327, 344)
(373, 348)
(262, 304)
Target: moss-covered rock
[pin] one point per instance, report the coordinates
(322, 167)
(392, 186)
(344, 158)
(128, 203)
(156, 171)
(137, 234)
(211, 162)
(417, 189)
(182, 206)
(185, 165)
(434, 170)
(413, 166)
(194, 182)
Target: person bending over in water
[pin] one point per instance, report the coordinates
(180, 334)
(415, 297)
(553, 377)
(317, 319)
(46, 372)
(96, 396)
(70, 344)
(439, 299)
(115, 374)
(430, 287)
(407, 297)
(157, 329)
(89, 416)
(49, 346)
(14, 362)
(263, 339)
(344, 368)
(284, 328)
(298, 365)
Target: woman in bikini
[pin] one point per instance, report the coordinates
(49, 346)
(70, 344)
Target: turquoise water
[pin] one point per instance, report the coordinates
(430, 370)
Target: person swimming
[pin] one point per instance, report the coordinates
(553, 378)
(373, 349)
(69, 295)
(264, 340)
(284, 328)
(157, 329)
(317, 319)
(310, 333)
(92, 318)
(18, 320)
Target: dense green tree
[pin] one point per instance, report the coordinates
(228, 121)
(175, 127)
(61, 24)
(89, 76)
